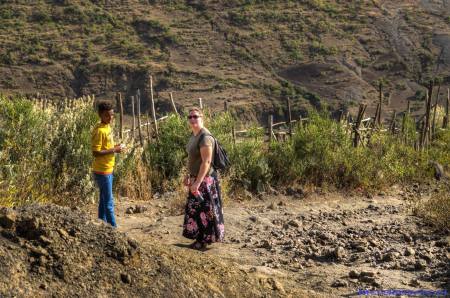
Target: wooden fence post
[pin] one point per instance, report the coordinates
(200, 103)
(380, 87)
(133, 127)
(426, 126)
(149, 128)
(153, 108)
(357, 137)
(233, 134)
(433, 129)
(225, 106)
(288, 103)
(447, 116)
(174, 107)
(138, 103)
(120, 104)
(270, 128)
(392, 128)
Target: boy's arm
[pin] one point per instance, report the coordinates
(116, 149)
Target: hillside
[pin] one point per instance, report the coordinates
(251, 53)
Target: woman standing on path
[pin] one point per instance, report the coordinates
(203, 220)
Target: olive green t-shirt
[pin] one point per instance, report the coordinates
(193, 150)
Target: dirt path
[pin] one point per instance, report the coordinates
(328, 243)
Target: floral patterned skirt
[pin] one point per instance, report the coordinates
(203, 221)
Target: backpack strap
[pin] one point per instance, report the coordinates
(202, 136)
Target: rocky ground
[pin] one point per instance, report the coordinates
(50, 251)
(296, 244)
(332, 244)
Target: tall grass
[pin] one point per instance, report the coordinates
(44, 155)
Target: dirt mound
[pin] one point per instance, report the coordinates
(56, 251)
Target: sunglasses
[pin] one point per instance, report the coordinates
(194, 116)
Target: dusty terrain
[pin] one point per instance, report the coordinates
(59, 252)
(295, 243)
(328, 243)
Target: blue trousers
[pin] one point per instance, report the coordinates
(106, 201)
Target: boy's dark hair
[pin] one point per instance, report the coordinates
(104, 106)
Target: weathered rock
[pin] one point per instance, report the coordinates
(367, 279)
(140, 209)
(339, 283)
(367, 273)
(353, 274)
(414, 283)
(265, 244)
(409, 251)
(420, 264)
(7, 218)
(339, 252)
(126, 278)
(294, 223)
(390, 256)
(253, 218)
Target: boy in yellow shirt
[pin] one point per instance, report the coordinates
(103, 149)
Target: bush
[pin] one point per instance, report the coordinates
(167, 157)
(44, 155)
(437, 208)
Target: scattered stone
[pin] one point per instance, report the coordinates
(126, 278)
(407, 237)
(294, 223)
(7, 218)
(272, 206)
(367, 273)
(420, 264)
(63, 233)
(140, 209)
(339, 252)
(253, 218)
(427, 257)
(442, 243)
(414, 283)
(39, 251)
(409, 251)
(390, 256)
(276, 285)
(353, 274)
(367, 279)
(265, 244)
(339, 283)
(129, 210)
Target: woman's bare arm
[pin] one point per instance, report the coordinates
(206, 154)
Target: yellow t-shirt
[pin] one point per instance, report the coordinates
(102, 139)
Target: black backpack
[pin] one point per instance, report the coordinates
(220, 158)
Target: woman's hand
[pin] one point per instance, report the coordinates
(194, 187)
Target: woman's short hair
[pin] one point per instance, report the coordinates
(196, 110)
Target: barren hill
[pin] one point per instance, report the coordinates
(251, 53)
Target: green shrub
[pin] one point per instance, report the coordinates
(167, 157)
(44, 155)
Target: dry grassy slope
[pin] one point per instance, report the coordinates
(252, 53)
